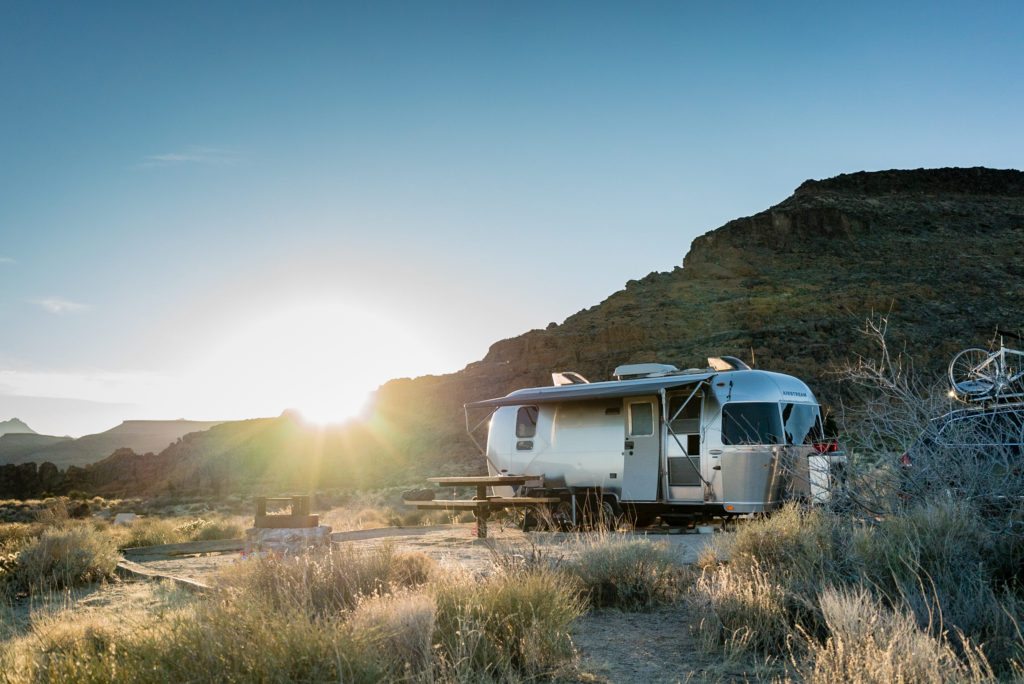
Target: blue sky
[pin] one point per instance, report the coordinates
(220, 210)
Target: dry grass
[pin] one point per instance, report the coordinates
(175, 530)
(64, 556)
(507, 625)
(13, 536)
(926, 583)
(913, 575)
(327, 582)
(629, 574)
(871, 643)
(381, 616)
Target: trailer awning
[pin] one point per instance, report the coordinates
(594, 390)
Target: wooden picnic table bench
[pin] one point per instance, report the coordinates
(482, 505)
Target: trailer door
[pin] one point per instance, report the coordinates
(641, 452)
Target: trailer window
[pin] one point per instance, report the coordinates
(802, 424)
(526, 421)
(753, 423)
(641, 419)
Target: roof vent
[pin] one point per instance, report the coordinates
(643, 370)
(568, 378)
(726, 363)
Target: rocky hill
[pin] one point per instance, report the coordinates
(939, 251)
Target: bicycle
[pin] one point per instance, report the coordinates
(977, 373)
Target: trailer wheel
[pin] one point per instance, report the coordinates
(525, 518)
(562, 516)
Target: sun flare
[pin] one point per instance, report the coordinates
(321, 359)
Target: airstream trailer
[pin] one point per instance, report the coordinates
(656, 441)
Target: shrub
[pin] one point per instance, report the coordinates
(506, 624)
(744, 609)
(630, 574)
(399, 630)
(225, 528)
(933, 565)
(156, 531)
(64, 557)
(327, 582)
(938, 561)
(148, 532)
(222, 640)
(868, 642)
(459, 629)
(13, 536)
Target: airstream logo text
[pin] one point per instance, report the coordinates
(794, 394)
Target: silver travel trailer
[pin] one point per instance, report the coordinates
(656, 441)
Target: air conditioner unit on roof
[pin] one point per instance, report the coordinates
(643, 370)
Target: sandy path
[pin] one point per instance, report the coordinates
(451, 545)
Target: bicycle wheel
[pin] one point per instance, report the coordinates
(973, 372)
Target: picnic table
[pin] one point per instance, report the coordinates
(482, 504)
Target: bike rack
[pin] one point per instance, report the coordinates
(993, 370)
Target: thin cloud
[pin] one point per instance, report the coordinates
(205, 156)
(56, 305)
(7, 260)
(86, 385)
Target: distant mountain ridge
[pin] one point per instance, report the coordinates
(139, 435)
(15, 426)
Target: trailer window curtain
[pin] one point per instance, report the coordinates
(751, 423)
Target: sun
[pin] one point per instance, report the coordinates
(320, 358)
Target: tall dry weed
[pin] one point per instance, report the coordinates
(744, 610)
(629, 574)
(399, 628)
(870, 643)
(506, 624)
(327, 582)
